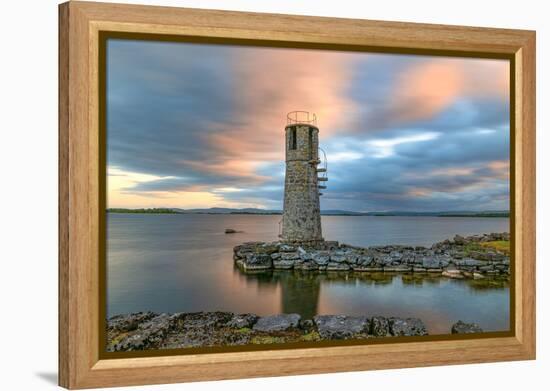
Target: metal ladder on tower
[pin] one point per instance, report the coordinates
(323, 171)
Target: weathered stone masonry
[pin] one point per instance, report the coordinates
(301, 216)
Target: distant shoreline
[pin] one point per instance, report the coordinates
(328, 213)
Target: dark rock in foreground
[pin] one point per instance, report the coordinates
(148, 330)
(341, 326)
(281, 322)
(461, 327)
(406, 327)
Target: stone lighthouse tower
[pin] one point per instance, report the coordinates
(301, 213)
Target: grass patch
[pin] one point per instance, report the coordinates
(244, 330)
(311, 337)
(499, 245)
(472, 246)
(266, 339)
(116, 339)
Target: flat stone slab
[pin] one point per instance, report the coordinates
(281, 322)
(407, 327)
(341, 326)
(441, 257)
(461, 327)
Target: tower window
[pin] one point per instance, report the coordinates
(292, 141)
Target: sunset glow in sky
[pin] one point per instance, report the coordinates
(195, 126)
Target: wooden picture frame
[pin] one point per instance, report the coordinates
(80, 25)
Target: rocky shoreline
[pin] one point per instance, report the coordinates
(149, 330)
(476, 257)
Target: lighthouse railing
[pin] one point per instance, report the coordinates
(301, 117)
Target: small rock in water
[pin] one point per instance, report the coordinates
(231, 231)
(461, 327)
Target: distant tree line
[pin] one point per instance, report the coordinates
(149, 210)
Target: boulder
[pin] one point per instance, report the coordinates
(256, 261)
(129, 322)
(321, 257)
(148, 335)
(398, 268)
(305, 255)
(365, 259)
(290, 255)
(281, 322)
(307, 325)
(308, 265)
(406, 327)
(286, 248)
(341, 326)
(283, 264)
(486, 268)
(396, 255)
(468, 262)
(266, 248)
(379, 326)
(240, 321)
(333, 266)
(339, 256)
(461, 327)
(430, 262)
(459, 240)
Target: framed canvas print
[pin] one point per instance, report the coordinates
(247, 195)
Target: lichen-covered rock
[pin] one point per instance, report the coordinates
(333, 266)
(379, 326)
(239, 321)
(461, 327)
(148, 335)
(321, 257)
(305, 255)
(398, 268)
(283, 264)
(257, 261)
(286, 248)
(339, 256)
(290, 255)
(430, 262)
(341, 326)
(281, 322)
(407, 327)
(308, 266)
(129, 322)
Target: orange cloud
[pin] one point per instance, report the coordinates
(268, 84)
(501, 169)
(425, 89)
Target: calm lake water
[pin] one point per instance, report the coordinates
(184, 263)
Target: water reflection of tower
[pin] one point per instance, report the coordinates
(300, 293)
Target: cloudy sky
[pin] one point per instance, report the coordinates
(192, 126)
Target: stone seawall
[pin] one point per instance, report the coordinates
(460, 257)
(148, 330)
